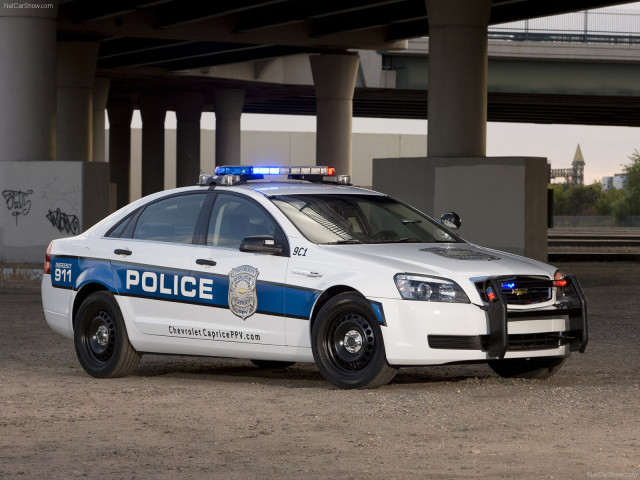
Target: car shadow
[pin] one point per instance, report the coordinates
(299, 375)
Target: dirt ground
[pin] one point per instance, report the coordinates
(216, 418)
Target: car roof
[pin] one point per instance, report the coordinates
(300, 188)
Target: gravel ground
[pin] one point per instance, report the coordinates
(216, 418)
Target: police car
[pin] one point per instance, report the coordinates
(306, 268)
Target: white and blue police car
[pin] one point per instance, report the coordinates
(304, 268)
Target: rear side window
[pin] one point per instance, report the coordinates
(172, 219)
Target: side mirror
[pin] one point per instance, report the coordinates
(451, 220)
(260, 244)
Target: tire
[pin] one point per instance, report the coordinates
(347, 344)
(532, 368)
(101, 340)
(271, 364)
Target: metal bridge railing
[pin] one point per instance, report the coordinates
(589, 26)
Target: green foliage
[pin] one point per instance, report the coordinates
(592, 200)
(604, 203)
(575, 199)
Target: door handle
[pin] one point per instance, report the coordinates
(206, 261)
(306, 273)
(122, 251)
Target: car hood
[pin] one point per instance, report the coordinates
(458, 261)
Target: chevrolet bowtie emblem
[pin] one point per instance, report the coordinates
(519, 291)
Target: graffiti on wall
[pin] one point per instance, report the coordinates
(64, 222)
(17, 202)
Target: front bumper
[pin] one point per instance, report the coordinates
(432, 333)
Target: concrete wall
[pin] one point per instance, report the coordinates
(502, 201)
(46, 200)
(281, 148)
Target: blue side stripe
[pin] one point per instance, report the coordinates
(177, 285)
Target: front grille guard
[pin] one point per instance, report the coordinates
(573, 304)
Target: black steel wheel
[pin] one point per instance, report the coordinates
(347, 344)
(101, 340)
(533, 368)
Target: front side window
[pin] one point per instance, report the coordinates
(234, 218)
(172, 219)
(334, 219)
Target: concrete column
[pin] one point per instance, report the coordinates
(75, 72)
(100, 95)
(228, 108)
(188, 111)
(334, 79)
(153, 110)
(457, 77)
(120, 113)
(28, 83)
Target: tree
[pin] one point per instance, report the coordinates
(630, 204)
(604, 204)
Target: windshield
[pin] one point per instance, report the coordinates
(336, 219)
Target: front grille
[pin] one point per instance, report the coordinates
(525, 290)
(534, 341)
(517, 342)
(455, 342)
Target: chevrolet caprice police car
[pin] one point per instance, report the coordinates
(309, 269)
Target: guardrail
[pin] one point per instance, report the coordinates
(589, 26)
(593, 245)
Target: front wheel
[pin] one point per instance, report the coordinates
(101, 340)
(532, 368)
(347, 344)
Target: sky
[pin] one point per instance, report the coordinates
(605, 149)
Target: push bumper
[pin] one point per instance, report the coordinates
(571, 303)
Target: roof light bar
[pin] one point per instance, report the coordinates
(269, 170)
(234, 174)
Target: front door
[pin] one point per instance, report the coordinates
(245, 311)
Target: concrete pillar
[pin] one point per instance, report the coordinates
(334, 79)
(28, 83)
(153, 109)
(100, 95)
(75, 72)
(457, 77)
(188, 111)
(228, 109)
(120, 113)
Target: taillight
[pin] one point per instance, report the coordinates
(47, 260)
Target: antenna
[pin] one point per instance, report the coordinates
(194, 162)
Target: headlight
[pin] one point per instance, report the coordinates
(430, 289)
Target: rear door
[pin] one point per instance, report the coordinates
(151, 259)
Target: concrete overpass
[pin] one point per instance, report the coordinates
(70, 59)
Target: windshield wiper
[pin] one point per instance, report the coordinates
(343, 242)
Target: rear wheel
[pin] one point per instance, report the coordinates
(535, 368)
(101, 340)
(347, 344)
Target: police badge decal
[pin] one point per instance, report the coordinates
(243, 300)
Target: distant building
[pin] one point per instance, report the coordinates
(573, 175)
(619, 181)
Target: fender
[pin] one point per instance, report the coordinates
(95, 271)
